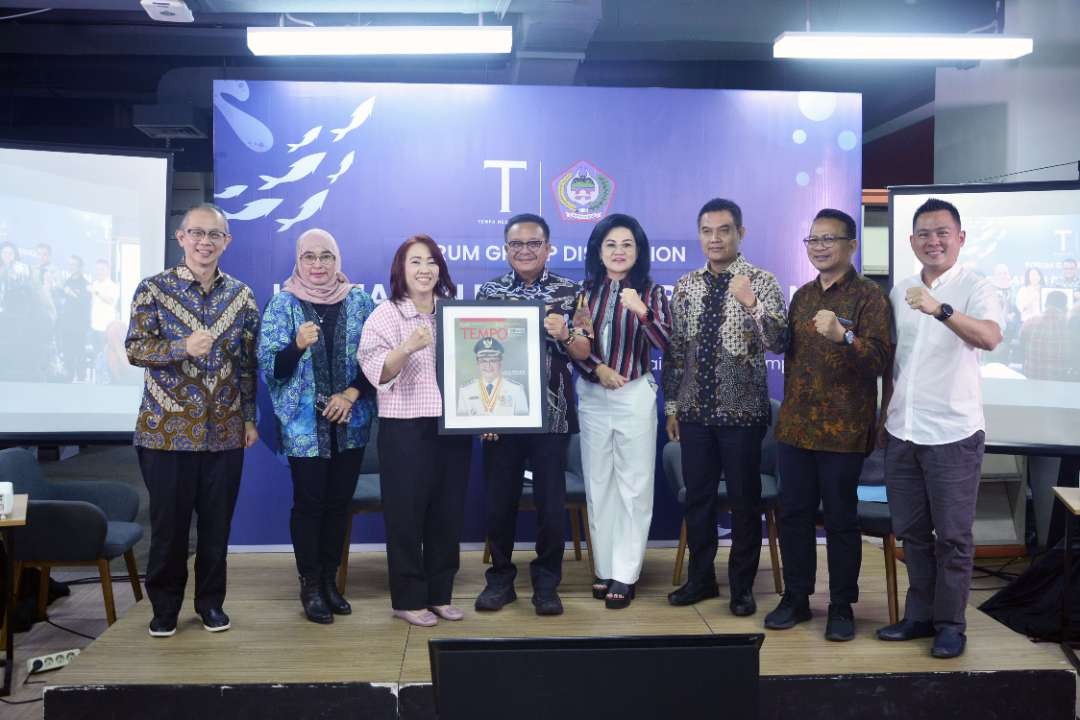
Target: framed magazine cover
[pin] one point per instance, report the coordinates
(491, 366)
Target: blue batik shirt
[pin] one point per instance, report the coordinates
(193, 404)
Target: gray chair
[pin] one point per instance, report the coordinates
(770, 494)
(575, 501)
(367, 498)
(72, 523)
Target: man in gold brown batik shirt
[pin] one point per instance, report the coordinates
(193, 328)
(839, 342)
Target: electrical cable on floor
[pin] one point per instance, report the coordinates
(73, 632)
(95, 579)
(20, 702)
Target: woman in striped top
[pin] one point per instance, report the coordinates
(621, 317)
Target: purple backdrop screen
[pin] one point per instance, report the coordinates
(375, 163)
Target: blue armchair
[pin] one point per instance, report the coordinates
(367, 498)
(72, 523)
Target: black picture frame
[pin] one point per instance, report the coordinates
(471, 336)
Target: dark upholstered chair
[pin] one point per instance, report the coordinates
(72, 523)
(367, 498)
(575, 501)
(672, 462)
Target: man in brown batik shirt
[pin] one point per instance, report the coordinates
(839, 342)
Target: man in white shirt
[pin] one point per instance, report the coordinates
(944, 317)
(491, 393)
(104, 293)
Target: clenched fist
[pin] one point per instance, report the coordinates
(741, 291)
(421, 338)
(307, 335)
(555, 324)
(828, 326)
(199, 343)
(919, 298)
(609, 378)
(632, 302)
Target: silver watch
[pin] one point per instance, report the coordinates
(849, 337)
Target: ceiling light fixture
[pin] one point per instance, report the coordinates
(898, 46)
(381, 40)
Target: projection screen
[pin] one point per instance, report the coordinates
(78, 229)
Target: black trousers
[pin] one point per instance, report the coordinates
(423, 477)
(708, 451)
(180, 482)
(504, 468)
(322, 491)
(831, 479)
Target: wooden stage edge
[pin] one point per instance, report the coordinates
(275, 664)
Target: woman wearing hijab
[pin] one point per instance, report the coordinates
(324, 406)
(622, 317)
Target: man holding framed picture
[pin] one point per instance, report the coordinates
(528, 246)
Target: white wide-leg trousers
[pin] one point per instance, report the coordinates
(618, 457)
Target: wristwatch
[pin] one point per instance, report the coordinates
(945, 312)
(849, 337)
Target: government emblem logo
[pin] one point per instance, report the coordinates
(583, 192)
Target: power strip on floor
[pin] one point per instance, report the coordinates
(52, 661)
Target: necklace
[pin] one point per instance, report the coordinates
(319, 317)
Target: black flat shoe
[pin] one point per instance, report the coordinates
(625, 593)
(692, 593)
(600, 588)
(548, 604)
(492, 599)
(743, 605)
(840, 627)
(906, 630)
(948, 643)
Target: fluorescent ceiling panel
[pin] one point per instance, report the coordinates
(367, 40)
(890, 46)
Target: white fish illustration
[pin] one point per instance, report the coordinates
(231, 192)
(346, 163)
(256, 209)
(310, 206)
(297, 171)
(359, 117)
(309, 137)
(251, 131)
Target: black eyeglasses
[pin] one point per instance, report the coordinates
(826, 241)
(516, 246)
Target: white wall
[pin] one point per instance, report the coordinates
(1001, 117)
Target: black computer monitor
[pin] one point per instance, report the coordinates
(655, 676)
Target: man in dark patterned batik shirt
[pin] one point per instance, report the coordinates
(839, 344)
(194, 329)
(724, 317)
(527, 248)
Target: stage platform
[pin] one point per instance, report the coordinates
(274, 664)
